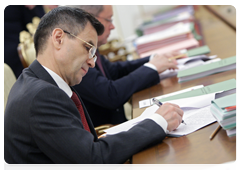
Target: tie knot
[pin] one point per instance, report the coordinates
(75, 99)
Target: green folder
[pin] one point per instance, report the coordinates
(226, 101)
(226, 86)
(218, 106)
(198, 51)
(227, 119)
(207, 69)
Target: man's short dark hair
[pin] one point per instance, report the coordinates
(92, 9)
(70, 19)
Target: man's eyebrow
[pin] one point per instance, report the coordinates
(90, 42)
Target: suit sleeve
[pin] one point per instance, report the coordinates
(119, 69)
(57, 130)
(112, 94)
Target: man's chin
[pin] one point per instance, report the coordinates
(79, 81)
(101, 43)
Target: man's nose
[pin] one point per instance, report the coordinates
(91, 62)
(112, 26)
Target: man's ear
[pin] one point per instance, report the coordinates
(57, 38)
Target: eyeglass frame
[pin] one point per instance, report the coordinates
(106, 19)
(92, 47)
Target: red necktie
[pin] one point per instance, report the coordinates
(99, 63)
(81, 111)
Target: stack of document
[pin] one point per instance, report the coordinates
(187, 63)
(224, 110)
(167, 19)
(207, 69)
(171, 30)
(175, 38)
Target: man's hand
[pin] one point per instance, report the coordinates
(172, 114)
(163, 62)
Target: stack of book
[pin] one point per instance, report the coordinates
(224, 110)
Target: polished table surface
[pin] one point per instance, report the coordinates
(227, 13)
(195, 148)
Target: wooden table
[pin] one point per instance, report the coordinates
(226, 13)
(195, 148)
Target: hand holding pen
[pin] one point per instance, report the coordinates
(177, 109)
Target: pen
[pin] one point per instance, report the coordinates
(215, 132)
(178, 56)
(158, 103)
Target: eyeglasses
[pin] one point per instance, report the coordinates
(92, 50)
(108, 20)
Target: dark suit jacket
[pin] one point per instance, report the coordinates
(104, 97)
(42, 125)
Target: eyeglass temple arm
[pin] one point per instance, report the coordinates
(78, 38)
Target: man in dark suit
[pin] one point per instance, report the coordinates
(45, 119)
(108, 86)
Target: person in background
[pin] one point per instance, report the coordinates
(45, 120)
(16, 17)
(108, 86)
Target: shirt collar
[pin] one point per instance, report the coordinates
(60, 82)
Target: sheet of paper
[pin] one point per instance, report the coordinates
(194, 120)
(129, 124)
(148, 102)
(194, 102)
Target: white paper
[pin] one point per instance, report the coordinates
(148, 102)
(194, 120)
(194, 102)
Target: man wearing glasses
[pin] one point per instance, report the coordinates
(45, 119)
(108, 86)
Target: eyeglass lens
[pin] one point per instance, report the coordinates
(92, 52)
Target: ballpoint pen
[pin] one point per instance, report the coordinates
(158, 103)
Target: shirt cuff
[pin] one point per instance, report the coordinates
(150, 66)
(160, 121)
(151, 57)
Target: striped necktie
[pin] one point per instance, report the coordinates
(81, 111)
